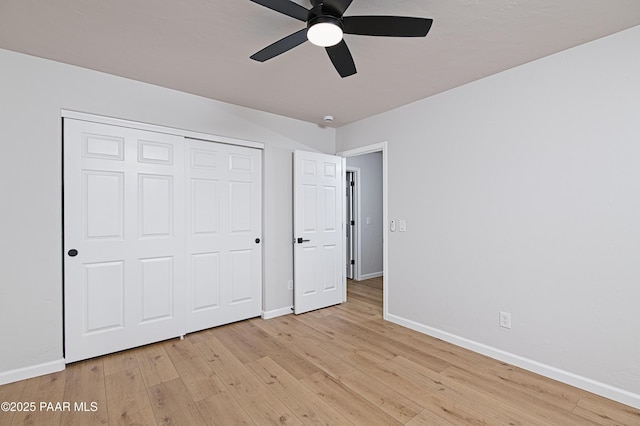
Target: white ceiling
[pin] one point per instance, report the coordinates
(203, 47)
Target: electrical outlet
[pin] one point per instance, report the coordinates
(504, 319)
(290, 285)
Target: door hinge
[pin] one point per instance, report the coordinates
(353, 222)
(353, 183)
(353, 262)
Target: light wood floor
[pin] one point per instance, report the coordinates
(336, 366)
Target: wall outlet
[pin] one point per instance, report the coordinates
(504, 319)
(290, 285)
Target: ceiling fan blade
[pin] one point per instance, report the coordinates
(281, 46)
(339, 6)
(286, 7)
(342, 59)
(389, 26)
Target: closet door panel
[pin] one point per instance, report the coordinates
(124, 238)
(224, 236)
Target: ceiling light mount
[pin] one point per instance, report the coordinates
(324, 30)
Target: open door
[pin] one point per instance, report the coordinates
(318, 226)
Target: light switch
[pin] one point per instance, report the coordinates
(403, 225)
(392, 226)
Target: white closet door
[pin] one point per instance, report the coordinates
(224, 266)
(124, 217)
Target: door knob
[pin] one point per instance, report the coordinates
(257, 240)
(72, 252)
(300, 241)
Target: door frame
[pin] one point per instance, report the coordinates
(356, 216)
(367, 149)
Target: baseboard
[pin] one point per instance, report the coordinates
(31, 371)
(277, 312)
(593, 386)
(369, 276)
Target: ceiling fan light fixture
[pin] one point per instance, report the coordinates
(324, 31)
(326, 25)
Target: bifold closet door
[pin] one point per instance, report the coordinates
(124, 233)
(161, 236)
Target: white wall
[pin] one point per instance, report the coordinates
(525, 198)
(32, 93)
(369, 186)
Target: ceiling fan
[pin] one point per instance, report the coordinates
(326, 25)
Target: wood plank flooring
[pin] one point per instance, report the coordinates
(341, 365)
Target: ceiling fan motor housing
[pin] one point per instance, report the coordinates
(320, 10)
(328, 19)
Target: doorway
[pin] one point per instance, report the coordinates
(369, 265)
(366, 225)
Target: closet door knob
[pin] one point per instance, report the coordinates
(72, 252)
(257, 240)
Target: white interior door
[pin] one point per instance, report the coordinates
(124, 238)
(224, 236)
(318, 221)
